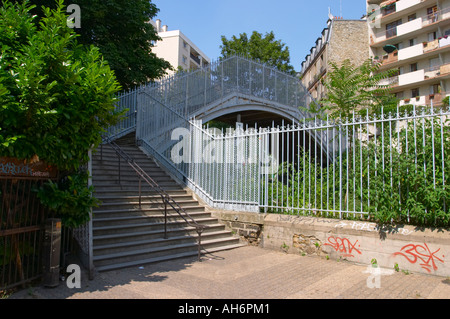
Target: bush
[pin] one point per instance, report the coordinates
(56, 96)
(56, 99)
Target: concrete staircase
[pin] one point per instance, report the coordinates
(125, 235)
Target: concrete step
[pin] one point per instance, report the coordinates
(154, 217)
(142, 256)
(124, 247)
(125, 212)
(148, 226)
(108, 239)
(185, 254)
(145, 204)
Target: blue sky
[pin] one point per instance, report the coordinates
(297, 23)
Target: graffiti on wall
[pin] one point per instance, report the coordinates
(343, 246)
(421, 253)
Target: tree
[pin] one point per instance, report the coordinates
(121, 31)
(56, 98)
(351, 88)
(259, 47)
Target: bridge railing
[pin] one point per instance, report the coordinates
(128, 102)
(187, 93)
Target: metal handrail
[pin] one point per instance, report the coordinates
(166, 198)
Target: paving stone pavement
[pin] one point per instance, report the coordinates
(248, 273)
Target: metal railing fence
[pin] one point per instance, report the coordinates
(22, 226)
(388, 167)
(126, 102)
(393, 167)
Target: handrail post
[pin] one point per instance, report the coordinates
(199, 232)
(140, 179)
(119, 171)
(165, 218)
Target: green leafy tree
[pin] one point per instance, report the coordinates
(264, 48)
(56, 97)
(121, 31)
(351, 88)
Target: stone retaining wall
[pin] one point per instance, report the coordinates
(402, 248)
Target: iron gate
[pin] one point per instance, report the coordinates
(22, 221)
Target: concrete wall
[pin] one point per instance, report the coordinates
(412, 249)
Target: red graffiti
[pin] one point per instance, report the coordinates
(418, 252)
(343, 246)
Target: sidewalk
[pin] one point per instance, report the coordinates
(248, 273)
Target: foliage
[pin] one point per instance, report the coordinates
(69, 199)
(56, 96)
(445, 101)
(258, 47)
(397, 177)
(121, 31)
(353, 88)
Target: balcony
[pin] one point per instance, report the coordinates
(418, 76)
(411, 26)
(411, 77)
(390, 10)
(434, 99)
(196, 59)
(421, 50)
(392, 81)
(388, 58)
(410, 52)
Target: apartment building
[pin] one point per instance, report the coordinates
(412, 38)
(178, 49)
(341, 39)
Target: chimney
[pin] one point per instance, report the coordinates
(164, 28)
(158, 25)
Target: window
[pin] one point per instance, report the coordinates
(399, 95)
(413, 67)
(432, 14)
(184, 59)
(435, 62)
(412, 42)
(432, 36)
(390, 8)
(412, 17)
(415, 92)
(391, 28)
(435, 88)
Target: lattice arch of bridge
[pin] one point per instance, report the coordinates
(170, 117)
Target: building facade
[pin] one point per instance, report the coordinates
(412, 38)
(341, 39)
(178, 49)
